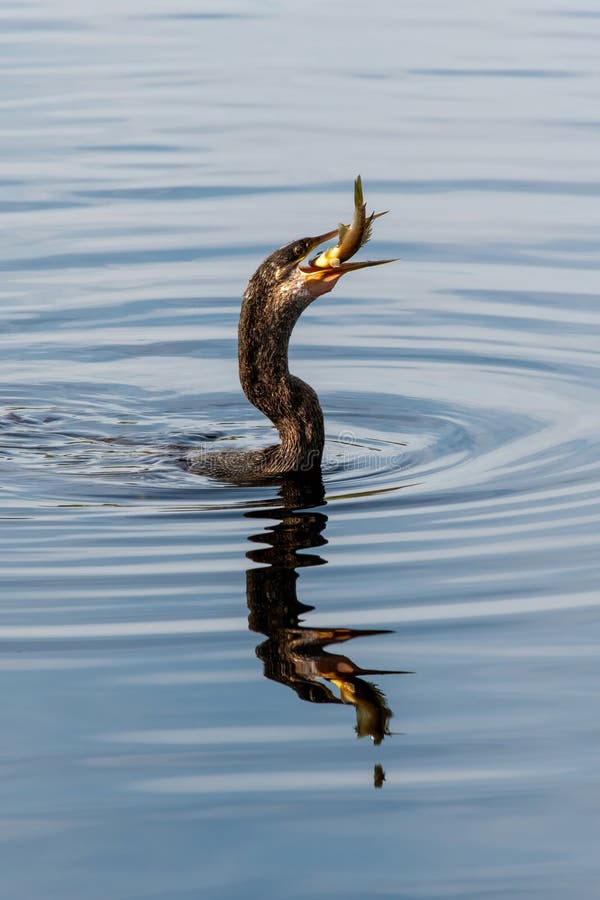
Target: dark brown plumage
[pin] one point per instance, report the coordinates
(276, 295)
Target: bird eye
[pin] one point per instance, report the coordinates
(299, 250)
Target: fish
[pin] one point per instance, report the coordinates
(350, 237)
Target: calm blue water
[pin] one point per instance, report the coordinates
(152, 154)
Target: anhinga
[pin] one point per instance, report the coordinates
(277, 294)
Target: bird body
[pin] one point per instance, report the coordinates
(291, 404)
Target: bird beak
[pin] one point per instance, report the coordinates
(322, 280)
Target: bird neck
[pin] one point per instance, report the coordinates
(265, 328)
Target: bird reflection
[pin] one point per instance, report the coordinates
(295, 655)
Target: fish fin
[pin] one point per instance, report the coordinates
(342, 230)
(367, 230)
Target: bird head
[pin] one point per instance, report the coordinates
(288, 263)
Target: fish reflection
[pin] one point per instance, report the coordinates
(293, 654)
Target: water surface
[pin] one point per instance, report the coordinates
(204, 689)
